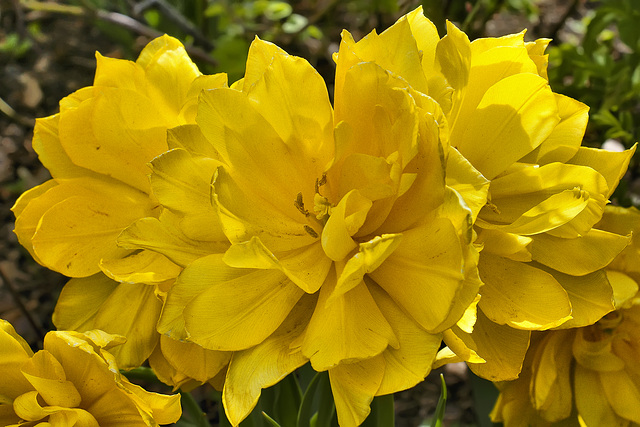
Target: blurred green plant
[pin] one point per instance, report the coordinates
(603, 70)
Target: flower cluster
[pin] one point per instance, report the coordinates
(586, 376)
(73, 381)
(235, 233)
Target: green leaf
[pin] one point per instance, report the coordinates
(277, 10)
(382, 412)
(317, 403)
(288, 398)
(270, 420)
(442, 403)
(295, 23)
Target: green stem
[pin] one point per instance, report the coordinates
(190, 406)
(142, 374)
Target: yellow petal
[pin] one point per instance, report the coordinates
(261, 54)
(426, 192)
(595, 355)
(266, 364)
(163, 235)
(467, 181)
(353, 386)
(484, 44)
(100, 396)
(29, 408)
(304, 123)
(623, 394)
(47, 376)
(488, 68)
(411, 362)
(182, 183)
(581, 255)
(192, 360)
(141, 267)
(349, 328)
(132, 310)
(153, 408)
(80, 301)
(429, 262)
(381, 120)
(257, 156)
(169, 73)
(306, 267)
(370, 256)
(115, 133)
(280, 228)
(611, 165)
(371, 176)
(456, 350)
(535, 199)
(565, 139)
(345, 220)
(501, 347)
(453, 56)
(14, 352)
(236, 313)
(28, 210)
(427, 38)
(624, 288)
(81, 228)
(190, 138)
(536, 50)
(551, 391)
(508, 245)
(190, 108)
(520, 295)
(520, 109)
(405, 62)
(46, 143)
(169, 374)
(590, 295)
(191, 283)
(592, 404)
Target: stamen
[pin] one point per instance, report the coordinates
(299, 204)
(310, 231)
(320, 182)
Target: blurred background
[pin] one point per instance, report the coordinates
(47, 51)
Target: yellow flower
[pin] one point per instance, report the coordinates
(73, 381)
(132, 309)
(546, 192)
(586, 376)
(97, 149)
(347, 249)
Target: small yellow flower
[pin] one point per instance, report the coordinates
(74, 381)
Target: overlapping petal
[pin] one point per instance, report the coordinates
(74, 381)
(586, 372)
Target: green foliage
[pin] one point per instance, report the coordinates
(442, 403)
(14, 46)
(603, 71)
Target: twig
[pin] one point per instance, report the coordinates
(174, 15)
(13, 114)
(556, 28)
(16, 297)
(114, 18)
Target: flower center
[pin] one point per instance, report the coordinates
(321, 207)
